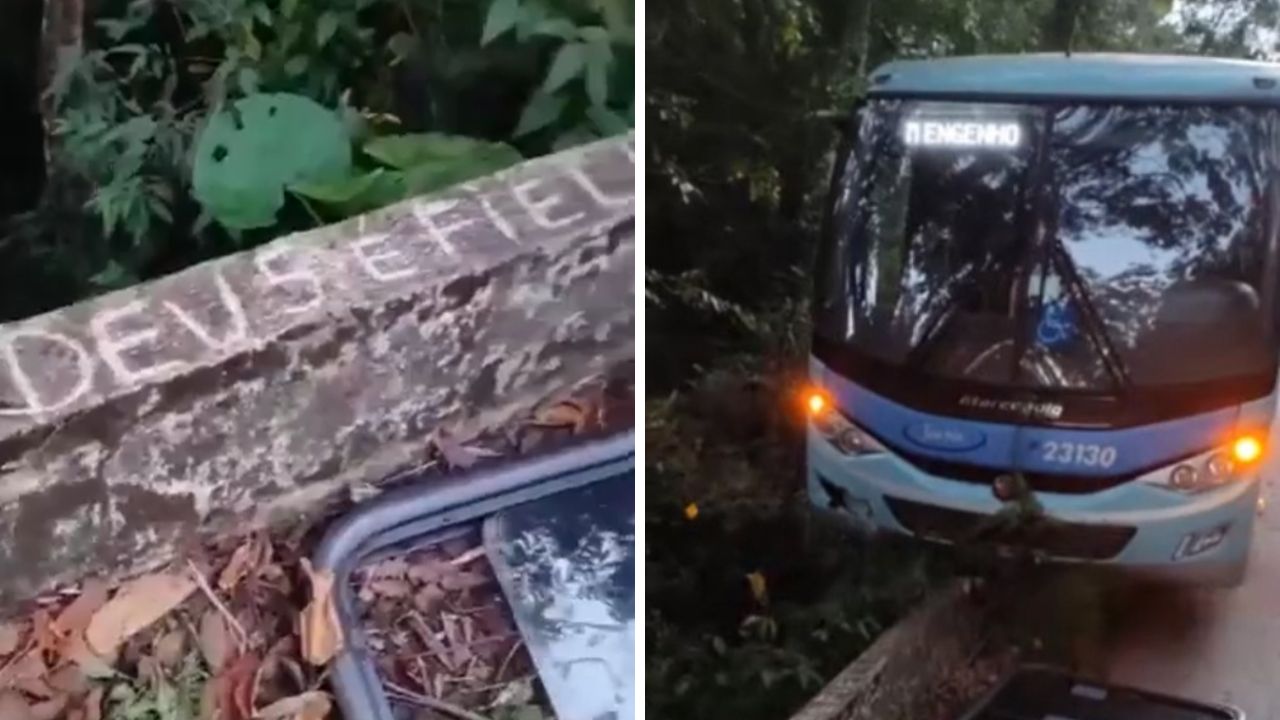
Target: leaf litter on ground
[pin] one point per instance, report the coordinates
(238, 632)
(441, 633)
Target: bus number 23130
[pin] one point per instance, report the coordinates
(1080, 454)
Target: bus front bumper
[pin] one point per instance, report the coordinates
(1137, 527)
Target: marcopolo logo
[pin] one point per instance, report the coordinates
(1025, 408)
(961, 133)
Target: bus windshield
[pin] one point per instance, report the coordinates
(1088, 247)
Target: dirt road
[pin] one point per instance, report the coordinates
(1219, 645)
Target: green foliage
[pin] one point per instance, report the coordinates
(130, 196)
(162, 698)
(315, 48)
(121, 133)
(250, 152)
(753, 603)
(585, 92)
(411, 165)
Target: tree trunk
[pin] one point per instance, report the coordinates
(63, 33)
(21, 131)
(862, 37)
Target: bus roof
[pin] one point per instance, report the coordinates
(1092, 76)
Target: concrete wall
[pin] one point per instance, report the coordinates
(261, 383)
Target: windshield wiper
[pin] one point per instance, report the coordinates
(1062, 262)
(918, 354)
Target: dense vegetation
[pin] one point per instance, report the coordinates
(753, 602)
(157, 119)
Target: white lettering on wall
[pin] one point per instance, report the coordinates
(538, 208)
(113, 348)
(278, 278)
(372, 261)
(502, 224)
(236, 333)
(26, 386)
(601, 198)
(428, 212)
(132, 343)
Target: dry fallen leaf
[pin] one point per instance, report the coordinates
(242, 563)
(170, 648)
(209, 700)
(14, 707)
(10, 636)
(428, 571)
(390, 568)
(313, 705)
(562, 414)
(216, 640)
(24, 671)
(428, 598)
(69, 679)
(92, 705)
(458, 454)
(464, 580)
(391, 588)
(44, 631)
(77, 651)
(49, 709)
(234, 694)
(319, 629)
(135, 606)
(75, 618)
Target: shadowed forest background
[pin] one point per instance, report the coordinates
(752, 603)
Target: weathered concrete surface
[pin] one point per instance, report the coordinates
(261, 383)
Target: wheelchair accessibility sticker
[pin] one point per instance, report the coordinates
(1057, 326)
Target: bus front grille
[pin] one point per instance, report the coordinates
(1074, 541)
(1039, 482)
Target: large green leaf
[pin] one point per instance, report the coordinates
(599, 58)
(432, 161)
(357, 193)
(502, 16)
(414, 150)
(541, 110)
(607, 121)
(567, 64)
(245, 159)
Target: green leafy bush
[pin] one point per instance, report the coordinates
(579, 91)
(753, 603)
(416, 94)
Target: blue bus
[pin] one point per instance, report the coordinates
(1052, 279)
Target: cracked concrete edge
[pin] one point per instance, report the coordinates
(257, 385)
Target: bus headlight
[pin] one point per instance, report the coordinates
(843, 435)
(1214, 469)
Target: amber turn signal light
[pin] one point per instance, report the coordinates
(1246, 449)
(816, 403)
